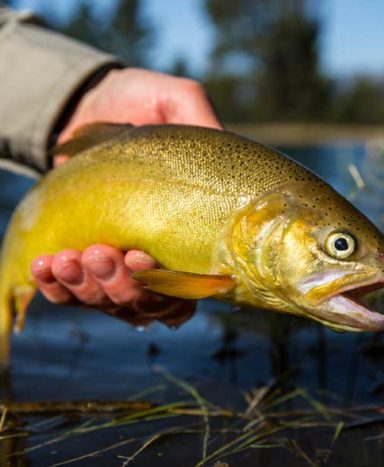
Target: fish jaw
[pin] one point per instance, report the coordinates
(278, 249)
(342, 311)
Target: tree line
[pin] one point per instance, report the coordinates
(265, 63)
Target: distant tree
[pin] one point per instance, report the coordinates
(360, 101)
(290, 84)
(82, 25)
(273, 47)
(180, 68)
(123, 31)
(233, 95)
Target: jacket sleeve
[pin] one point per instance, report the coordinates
(41, 72)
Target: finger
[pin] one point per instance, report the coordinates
(137, 260)
(148, 304)
(67, 269)
(190, 104)
(169, 310)
(46, 282)
(106, 264)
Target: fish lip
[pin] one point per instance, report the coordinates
(358, 284)
(351, 290)
(354, 317)
(342, 311)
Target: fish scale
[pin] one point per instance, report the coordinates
(184, 194)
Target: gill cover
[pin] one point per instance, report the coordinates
(256, 245)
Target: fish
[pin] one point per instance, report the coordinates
(225, 217)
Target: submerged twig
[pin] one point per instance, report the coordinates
(81, 406)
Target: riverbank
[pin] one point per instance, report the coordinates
(307, 134)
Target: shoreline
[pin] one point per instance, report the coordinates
(299, 134)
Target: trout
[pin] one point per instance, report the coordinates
(226, 217)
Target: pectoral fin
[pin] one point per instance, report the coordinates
(90, 135)
(184, 284)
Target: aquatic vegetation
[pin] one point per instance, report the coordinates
(269, 418)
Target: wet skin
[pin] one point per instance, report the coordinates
(101, 277)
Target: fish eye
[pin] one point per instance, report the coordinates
(340, 245)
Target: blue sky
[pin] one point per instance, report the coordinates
(352, 41)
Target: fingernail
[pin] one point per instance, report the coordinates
(42, 271)
(71, 273)
(102, 268)
(136, 260)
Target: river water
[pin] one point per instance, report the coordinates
(71, 354)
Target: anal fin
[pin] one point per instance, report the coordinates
(184, 284)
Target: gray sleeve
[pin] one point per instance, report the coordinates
(40, 73)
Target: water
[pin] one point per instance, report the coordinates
(68, 354)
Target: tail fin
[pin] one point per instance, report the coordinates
(13, 308)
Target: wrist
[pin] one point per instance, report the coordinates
(74, 103)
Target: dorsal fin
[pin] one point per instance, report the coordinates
(90, 135)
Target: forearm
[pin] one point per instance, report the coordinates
(41, 74)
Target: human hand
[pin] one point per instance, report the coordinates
(100, 277)
(124, 96)
(142, 97)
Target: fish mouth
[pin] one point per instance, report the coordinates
(344, 311)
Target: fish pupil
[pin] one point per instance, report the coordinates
(341, 244)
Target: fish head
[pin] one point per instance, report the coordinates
(310, 252)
